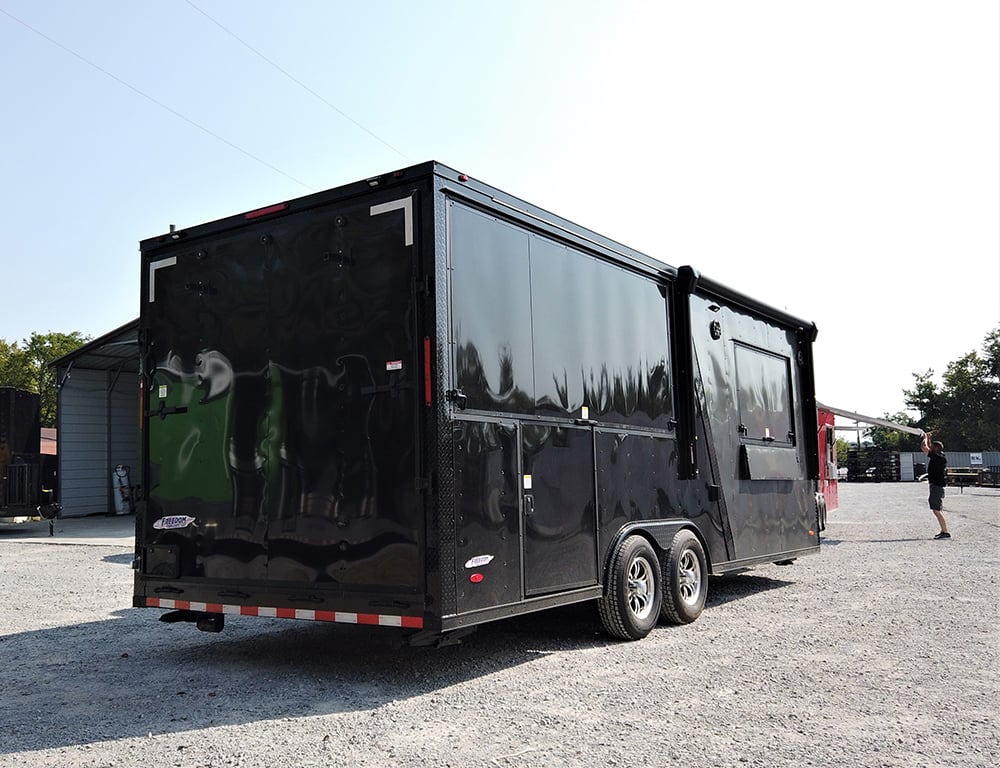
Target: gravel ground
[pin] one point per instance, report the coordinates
(881, 651)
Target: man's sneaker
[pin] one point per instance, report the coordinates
(943, 535)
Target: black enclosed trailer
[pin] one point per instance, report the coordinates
(20, 456)
(418, 402)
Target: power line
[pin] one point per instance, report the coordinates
(158, 103)
(294, 79)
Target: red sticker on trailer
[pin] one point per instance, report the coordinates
(394, 365)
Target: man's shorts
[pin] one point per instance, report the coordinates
(936, 497)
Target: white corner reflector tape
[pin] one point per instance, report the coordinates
(406, 206)
(153, 266)
(343, 617)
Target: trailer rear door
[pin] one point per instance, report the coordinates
(280, 426)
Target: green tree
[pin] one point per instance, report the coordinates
(15, 368)
(25, 366)
(964, 412)
(886, 439)
(842, 448)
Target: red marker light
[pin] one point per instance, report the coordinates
(476, 578)
(265, 211)
(462, 177)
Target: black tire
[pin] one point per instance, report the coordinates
(633, 590)
(685, 578)
(820, 512)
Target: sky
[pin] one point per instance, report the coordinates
(838, 159)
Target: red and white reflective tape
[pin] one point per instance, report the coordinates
(343, 617)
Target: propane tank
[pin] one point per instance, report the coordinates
(121, 490)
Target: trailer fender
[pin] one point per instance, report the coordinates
(660, 534)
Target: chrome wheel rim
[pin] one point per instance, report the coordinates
(689, 577)
(640, 588)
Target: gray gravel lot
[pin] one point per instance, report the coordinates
(884, 650)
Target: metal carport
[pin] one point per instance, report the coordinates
(97, 420)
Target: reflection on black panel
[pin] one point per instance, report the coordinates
(491, 312)
(542, 328)
(560, 535)
(487, 546)
(600, 339)
(765, 400)
(281, 360)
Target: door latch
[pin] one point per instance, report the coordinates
(529, 505)
(163, 411)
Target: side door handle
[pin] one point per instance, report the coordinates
(163, 411)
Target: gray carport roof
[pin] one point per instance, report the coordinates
(117, 350)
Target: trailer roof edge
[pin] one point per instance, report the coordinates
(696, 281)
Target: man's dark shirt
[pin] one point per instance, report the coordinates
(936, 463)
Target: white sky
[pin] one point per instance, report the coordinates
(838, 159)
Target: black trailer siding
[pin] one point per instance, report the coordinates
(559, 340)
(20, 452)
(488, 524)
(637, 484)
(283, 375)
(558, 508)
(490, 313)
(542, 328)
(764, 506)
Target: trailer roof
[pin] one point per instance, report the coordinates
(461, 185)
(449, 180)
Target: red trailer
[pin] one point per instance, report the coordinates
(827, 441)
(825, 415)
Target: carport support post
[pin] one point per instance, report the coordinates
(108, 398)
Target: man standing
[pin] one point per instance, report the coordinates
(936, 479)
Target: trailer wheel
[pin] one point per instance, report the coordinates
(685, 575)
(634, 590)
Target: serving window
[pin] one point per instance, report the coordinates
(764, 396)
